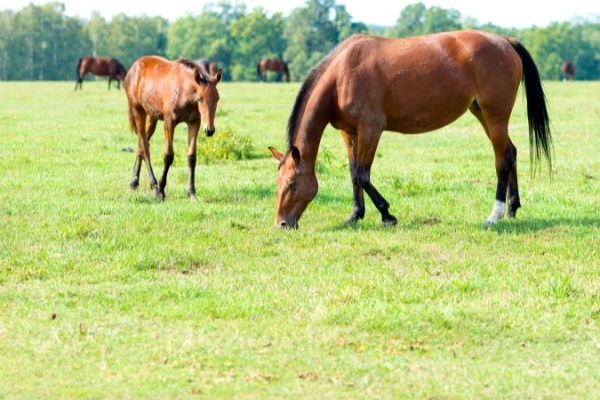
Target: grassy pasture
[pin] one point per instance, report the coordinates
(105, 293)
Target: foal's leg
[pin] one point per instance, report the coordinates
(358, 209)
(193, 128)
(144, 144)
(367, 140)
(150, 126)
(168, 157)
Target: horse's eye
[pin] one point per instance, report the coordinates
(292, 185)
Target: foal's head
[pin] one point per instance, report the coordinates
(296, 187)
(208, 97)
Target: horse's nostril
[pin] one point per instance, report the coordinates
(283, 224)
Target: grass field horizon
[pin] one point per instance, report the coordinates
(108, 293)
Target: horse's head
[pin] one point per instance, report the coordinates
(208, 97)
(296, 187)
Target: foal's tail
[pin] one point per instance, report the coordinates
(540, 137)
(131, 119)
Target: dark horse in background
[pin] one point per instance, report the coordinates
(275, 65)
(414, 85)
(172, 91)
(110, 67)
(568, 70)
(208, 67)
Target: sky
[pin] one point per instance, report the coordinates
(507, 13)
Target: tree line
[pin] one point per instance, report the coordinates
(43, 43)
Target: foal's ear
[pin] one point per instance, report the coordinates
(201, 79)
(276, 153)
(216, 78)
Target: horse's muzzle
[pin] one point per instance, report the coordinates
(209, 131)
(283, 224)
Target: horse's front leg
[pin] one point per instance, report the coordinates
(168, 157)
(193, 128)
(358, 208)
(367, 140)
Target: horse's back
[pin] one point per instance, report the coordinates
(422, 83)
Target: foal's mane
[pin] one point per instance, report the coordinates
(305, 91)
(201, 75)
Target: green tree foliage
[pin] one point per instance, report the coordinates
(313, 31)
(417, 19)
(206, 36)
(42, 43)
(256, 36)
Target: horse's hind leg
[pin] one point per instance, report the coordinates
(367, 141)
(168, 157)
(144, 145)
(150, 126)
(506, 165)
(358, 209)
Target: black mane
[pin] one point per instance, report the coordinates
(201, 75)
(305, 90)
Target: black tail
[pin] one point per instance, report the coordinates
(78, 66)
(258, 70)
(540, 137)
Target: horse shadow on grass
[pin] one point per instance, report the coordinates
(516, 227)
(529, 225)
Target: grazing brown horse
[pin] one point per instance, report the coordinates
(568, 70)
(110, 67)
(209, 68)
(370, 84)
(275, 65)
(172, 91)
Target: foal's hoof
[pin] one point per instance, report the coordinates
(389, 220)
(160, 195)
(133, 185)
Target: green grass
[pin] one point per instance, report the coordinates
(105, 293)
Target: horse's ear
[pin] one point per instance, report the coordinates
(295, 153)
(276, 153)
(217, 76)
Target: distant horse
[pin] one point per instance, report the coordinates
(568, 70)
(209, 68)
(370, 84)
(275, 65)
(173, 91)
(110, 67)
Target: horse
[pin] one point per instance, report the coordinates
(110, 67)
(209, 68)
(568, 70)
(172, 91)
(369, 84)
(275, 65)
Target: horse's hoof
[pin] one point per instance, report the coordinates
(133, 185)
(389, 220)
(355, 217)
(489, 223)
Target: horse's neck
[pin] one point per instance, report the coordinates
(313, 120)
